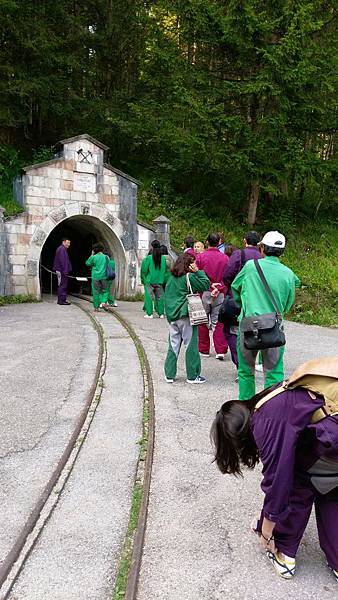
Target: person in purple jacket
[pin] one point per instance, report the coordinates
(62, 266)
(300, 466)
(237, 260)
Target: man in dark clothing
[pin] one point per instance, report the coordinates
(236, 262)
(240, 257)
(62, 266)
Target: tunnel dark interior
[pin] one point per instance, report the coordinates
(83, 232)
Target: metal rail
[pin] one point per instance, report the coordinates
(27, 538)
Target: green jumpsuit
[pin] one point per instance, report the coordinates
(180, 330)
(153, 280)
(100, 285)
(249, 293)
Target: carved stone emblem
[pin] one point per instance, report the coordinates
(59, 214)
(85, 209)
(109, 217)
(39, 237)
(32, 268)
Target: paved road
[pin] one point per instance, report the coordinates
(48, 357)
(55, 353)
(198, 544)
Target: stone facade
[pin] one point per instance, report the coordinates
(76, 183)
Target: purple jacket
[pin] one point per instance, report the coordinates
(235, 263)
(61, 260)
(213, 262)
(287, 441)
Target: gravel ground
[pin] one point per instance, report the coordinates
(198, 544)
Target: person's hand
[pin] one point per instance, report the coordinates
(266, 540)
(193, 267)
(267, 545)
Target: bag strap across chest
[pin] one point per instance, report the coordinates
(266, 286)
(313, 383)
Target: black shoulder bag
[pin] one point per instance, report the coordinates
(263, 331)
(229, 311)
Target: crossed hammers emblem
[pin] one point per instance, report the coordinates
(84, 156)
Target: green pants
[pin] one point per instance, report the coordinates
(111, 296)
(181, 331)
(153, 298)
(100, 291)
(273, 368)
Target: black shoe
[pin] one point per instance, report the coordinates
(64, 303)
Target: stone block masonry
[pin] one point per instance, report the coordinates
(76, 187)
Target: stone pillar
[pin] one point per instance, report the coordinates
(5, 274)
(162, 231)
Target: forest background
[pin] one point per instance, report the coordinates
(225, 110)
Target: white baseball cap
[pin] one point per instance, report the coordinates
(274, 239)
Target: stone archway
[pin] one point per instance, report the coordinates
(85, 218)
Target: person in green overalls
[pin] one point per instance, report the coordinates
(111, 294)
(249, 292)
(180, 329)
(153, 277)
(100, 285)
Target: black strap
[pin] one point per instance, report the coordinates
(266, 286)
(243, 261)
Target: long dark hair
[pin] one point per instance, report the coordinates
(182, 264)
(231, 436)
(156, 253)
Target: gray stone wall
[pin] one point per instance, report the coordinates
(78, 182)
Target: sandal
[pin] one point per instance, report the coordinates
(285, 566)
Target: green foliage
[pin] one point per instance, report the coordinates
(212, 105)
(215, 101)
(4, 300)
(11, 161)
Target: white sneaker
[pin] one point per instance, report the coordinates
(220, 356)
(335, 573)
(259, 368)
(198, 379)
(168, 380)
(284, 565)
(161, 316)
(204, 354)
(148, 316)
(115, 304)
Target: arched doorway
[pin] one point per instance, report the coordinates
(83, 231)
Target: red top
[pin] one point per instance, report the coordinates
(190, 251)
(213, 263)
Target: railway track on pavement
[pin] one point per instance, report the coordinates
(131, 553)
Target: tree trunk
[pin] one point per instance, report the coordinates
(253, 202)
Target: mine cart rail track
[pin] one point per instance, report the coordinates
(30, 533)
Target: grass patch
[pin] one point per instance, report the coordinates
(4, 300)
(126, 556)
(139, 297)
(121, 582)
(7, 201)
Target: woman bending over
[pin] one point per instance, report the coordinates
(296, 440)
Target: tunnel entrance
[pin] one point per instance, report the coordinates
(83, 231)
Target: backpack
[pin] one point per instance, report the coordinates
(318, 376)
(110, 274)
(229, 311)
